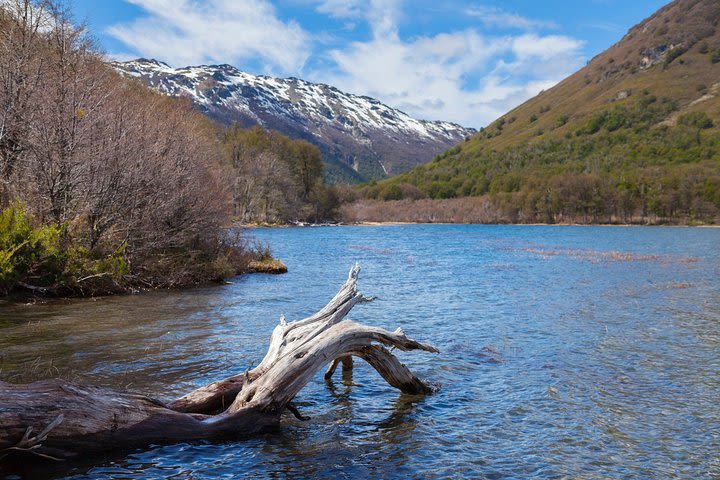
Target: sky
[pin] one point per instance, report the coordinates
(463, 61)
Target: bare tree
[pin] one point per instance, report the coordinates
(121, 167)
(21, 22)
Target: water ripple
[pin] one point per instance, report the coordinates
(566, 352)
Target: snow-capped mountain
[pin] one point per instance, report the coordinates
(360, 138)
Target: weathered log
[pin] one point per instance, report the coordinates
(74, 420)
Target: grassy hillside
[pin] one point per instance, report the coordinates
(632, 135)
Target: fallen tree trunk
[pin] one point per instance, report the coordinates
(74, 420)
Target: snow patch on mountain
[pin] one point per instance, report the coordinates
(327, 115)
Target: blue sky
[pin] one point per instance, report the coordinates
(460, 60)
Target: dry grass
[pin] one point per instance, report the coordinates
(271, 266)
(596, 256)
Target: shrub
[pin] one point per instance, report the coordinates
(715, 56)
(391, 192)
(439, 190)
(94, 271)
(594, 124)
(27, 252)
(615, 120)
(696, 119)
(672, 55)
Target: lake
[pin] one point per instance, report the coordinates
(581, 352)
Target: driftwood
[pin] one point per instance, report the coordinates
(74, 420)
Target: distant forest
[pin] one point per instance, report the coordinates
(106, 186)
(619, 166)
(632, 137)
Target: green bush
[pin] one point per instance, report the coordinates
(594, 124)
(391, 192)
(83, 265)
(440, 190)
(44, 256)
(28, 253)
(615, 120)
(696, 119)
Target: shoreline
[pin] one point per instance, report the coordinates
(20, 296)
(398, 223)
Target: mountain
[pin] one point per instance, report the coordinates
(634, 134)
(359, 137)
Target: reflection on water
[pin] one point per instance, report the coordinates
(582, 352)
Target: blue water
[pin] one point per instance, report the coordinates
(566, 352)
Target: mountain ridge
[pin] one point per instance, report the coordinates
(360, 137)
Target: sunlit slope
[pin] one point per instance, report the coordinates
(636, 122)
(675, 55)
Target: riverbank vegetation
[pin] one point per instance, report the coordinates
(107, 187)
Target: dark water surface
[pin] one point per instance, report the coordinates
(566, 352)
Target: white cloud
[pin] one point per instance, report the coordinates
(543, 48)
(465, 76)
(431, 77)
(494, 16)
(184, 32)
(341, 8)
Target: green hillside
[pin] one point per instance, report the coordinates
(632, 135)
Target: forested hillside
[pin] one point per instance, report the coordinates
(632, 137)
(106, 186)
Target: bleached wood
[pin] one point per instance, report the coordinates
(76, 420)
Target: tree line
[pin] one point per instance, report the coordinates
(107, 186)
(624, 164)
(276, 179)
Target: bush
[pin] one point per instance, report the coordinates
(28, 253)
(615, 120)
(391, 192)
(93, 271)
(594, 124)
(261, 251)
(696, 119)
(672, 55)
(715, 56)
(440, 190)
